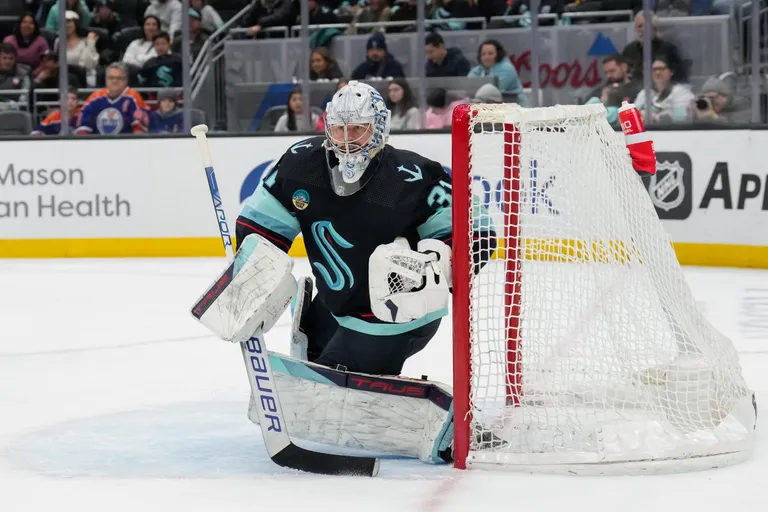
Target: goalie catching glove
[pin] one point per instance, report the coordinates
(254, 291)
(406, 285)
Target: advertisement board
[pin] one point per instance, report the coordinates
(149, 197)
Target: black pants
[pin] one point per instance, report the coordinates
(331, 345)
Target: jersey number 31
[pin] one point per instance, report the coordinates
(440, 195)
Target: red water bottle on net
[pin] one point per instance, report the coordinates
(637, 139)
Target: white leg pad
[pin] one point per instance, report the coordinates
(322, 412)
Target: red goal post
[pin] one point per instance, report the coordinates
(462, 264)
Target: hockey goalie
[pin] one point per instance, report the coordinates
(376, 223)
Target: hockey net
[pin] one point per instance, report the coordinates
(579, 346)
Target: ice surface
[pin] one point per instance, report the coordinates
(112, 398)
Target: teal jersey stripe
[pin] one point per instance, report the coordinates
(263, 209)
(439, 223)
(355, 324)
(296, 369)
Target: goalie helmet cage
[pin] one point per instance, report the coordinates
(578, 348)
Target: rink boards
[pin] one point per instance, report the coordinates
(149, 197)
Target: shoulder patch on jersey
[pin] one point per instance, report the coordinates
(303, 144)
(415, 175)
(300, 199)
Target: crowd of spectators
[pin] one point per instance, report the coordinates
(137, 39)
(363, 16)
(144, 38)
(672, 99)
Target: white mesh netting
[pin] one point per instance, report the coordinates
(611, 360)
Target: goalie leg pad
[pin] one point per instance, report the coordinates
(380, 415)
(254, 290)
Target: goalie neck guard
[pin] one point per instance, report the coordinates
(356, 130)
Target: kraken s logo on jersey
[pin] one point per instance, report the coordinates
(164, 76)
(335, 271)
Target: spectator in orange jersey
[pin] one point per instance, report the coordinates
(51, 125)
(114, 110)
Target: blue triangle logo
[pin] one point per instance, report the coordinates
(602, 46)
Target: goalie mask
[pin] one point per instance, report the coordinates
(356, 130)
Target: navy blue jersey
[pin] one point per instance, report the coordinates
(170, 124)
(407, 196)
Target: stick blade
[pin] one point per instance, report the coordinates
(295, 457)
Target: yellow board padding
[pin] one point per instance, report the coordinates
(722, 255)
(122, 248)
(712, 255)
(573, 251)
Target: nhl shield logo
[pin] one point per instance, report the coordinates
(671, 187)
(667, 188)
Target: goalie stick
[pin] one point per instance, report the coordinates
(260, 377)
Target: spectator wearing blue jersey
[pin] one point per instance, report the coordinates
(116, 109)
(495, 63)
(168, 118)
